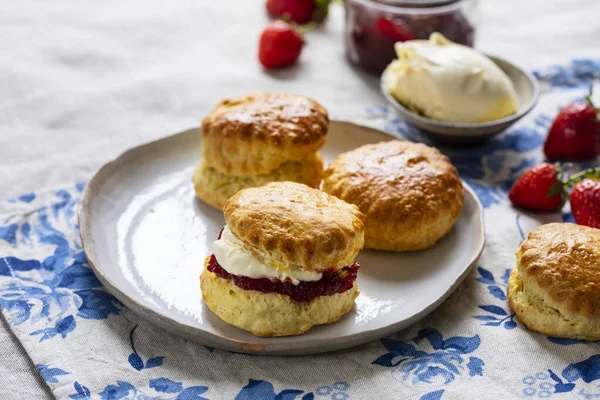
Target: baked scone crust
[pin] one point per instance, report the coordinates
(555, 288)
(257, 132)
(215, 188)
(291, 223)
(534, 313)
(410, 193)
(271, 314)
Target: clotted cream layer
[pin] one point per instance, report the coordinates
(234, 258)
(449, 82)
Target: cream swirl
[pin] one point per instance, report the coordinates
(236, 259)
(449, 82)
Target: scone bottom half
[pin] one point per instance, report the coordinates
(215, 187)
(261, 289)
(271, 307)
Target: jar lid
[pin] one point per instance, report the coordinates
(417, 3)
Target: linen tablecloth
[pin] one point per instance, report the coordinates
(82, 82)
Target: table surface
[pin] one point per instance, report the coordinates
(80, 83)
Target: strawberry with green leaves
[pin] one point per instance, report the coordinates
(543, 188)
(585, 198)
(531, 190)
(575, 132)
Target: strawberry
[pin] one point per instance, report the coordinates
(299, 11)
(575, 133)
(585, 202)
(280, 45)
(396, 32)
(585, 199)
(531, 190)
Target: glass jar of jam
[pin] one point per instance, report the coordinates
(373, 26)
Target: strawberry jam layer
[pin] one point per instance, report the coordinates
(331, 282)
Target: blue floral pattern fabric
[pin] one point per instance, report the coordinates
(87, 345)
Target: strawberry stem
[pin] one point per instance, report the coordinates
(301, 29)
(306, 27)
(322, 7)
(562, 186)
(593, 173)
(588, 98)
(559, 187)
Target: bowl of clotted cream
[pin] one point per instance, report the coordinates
(455, 93)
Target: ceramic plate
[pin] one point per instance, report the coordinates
(146, 237)
(528, 93)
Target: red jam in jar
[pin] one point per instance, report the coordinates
(373, 26)
(332, 282)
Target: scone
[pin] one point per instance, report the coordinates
(555, 288)
(284, 260)
(410, 193)
(258, 138)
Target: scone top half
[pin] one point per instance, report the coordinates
(290, 226)
(555, 288)
(257, 132)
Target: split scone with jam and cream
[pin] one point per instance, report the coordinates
(284, 261)
(257, 138)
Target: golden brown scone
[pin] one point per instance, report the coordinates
(271, 314)
(215, 187)
(256, 133)
(555, 288)
(410, 193)
(291, 223)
